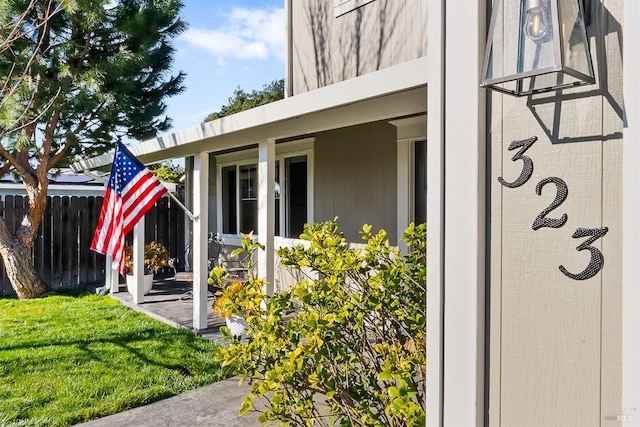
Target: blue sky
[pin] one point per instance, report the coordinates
(228, 44)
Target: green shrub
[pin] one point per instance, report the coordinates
(345, 346)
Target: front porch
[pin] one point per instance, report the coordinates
(354, 150)
(163, 303)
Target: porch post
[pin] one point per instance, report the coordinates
(138, 261)
(465, 222)
(456, 168)
(266, 210)
(200, 230)
(111, 276)
(188, 201)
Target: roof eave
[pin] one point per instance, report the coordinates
(387, 93)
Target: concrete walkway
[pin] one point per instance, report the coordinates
(214, 405)
(210, 406)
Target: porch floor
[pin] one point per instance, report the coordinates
(163, 303)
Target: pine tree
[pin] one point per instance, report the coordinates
(75, 75)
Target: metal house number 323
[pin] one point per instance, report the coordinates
(543, 220)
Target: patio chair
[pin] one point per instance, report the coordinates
(215, 248)
(216, 256)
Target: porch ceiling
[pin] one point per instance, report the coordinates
(389, 93)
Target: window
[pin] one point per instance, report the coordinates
(295, 200)
(229, 208)
(248, 198)
(420, 182)
(239, 193)
(238, 190)
(341, 7)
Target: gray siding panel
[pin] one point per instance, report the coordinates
(380, 34)
(355, 178)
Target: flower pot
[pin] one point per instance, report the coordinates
(147, 283)
(236, 325)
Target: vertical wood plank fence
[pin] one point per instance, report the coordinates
(61, 251)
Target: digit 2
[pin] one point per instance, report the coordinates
(562, 191)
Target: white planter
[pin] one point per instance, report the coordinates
(147, 283)
(236, 325)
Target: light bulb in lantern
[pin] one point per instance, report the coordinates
(536, 24)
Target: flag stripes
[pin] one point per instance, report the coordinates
(131, 192)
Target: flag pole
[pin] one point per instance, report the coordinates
(173, 196)
(184, 208)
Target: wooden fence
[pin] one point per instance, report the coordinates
(61, 251)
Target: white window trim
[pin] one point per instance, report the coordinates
(341, 7)
(409, 130)
(301, 147)
(250, 157)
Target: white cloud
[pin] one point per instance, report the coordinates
(246, 34)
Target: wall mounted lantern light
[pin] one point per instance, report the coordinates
(537, 46)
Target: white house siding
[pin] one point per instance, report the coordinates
(555, 342)
(355, 178)
(327, 49)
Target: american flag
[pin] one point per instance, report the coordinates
(131, 192)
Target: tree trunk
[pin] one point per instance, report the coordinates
(18, 263)
(16, 248)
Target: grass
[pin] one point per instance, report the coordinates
(73, 358)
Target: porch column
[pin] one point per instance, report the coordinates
(266, 210)
(138, 262)
(456, 169)
(188, 202)
(111, 276)
(200, 230)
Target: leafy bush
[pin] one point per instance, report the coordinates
(346, 345)
(156, 256)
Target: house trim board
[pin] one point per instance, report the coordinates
(435, 211)
(409, 130)
(630, 214)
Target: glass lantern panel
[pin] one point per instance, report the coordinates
(545, 82)
(574, 37)
(501, 56)
(537, 35)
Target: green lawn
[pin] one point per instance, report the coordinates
(69, 359)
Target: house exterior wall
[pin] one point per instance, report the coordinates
(326, 49)
(555, 342)
(355, 178)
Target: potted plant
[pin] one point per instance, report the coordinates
(156, 257)
(226, 303)
(239, 299)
